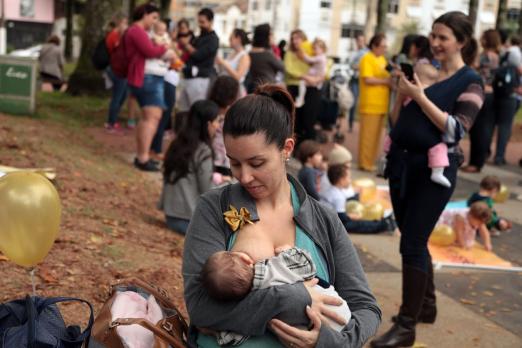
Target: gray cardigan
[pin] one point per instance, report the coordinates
(179, 199)
(208, 233)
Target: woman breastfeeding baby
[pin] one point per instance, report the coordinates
(283, 242)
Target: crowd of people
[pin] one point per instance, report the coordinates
(239, 117)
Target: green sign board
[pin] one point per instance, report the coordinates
(17, 84)
(15, 79)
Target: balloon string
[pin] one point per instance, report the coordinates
(31, 272)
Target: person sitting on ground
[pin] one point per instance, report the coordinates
(338, 155)
(340, 178)
(188, 165)
(466, 221)
(489, 187)
(231, 275)
(310, 156)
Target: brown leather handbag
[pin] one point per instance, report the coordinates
(172, 331)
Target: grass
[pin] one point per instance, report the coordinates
(518, 116)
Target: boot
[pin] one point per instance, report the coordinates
(402, 333)
(428, 312)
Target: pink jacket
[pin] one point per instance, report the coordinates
(139, 47)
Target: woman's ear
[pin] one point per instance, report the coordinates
(288, 147)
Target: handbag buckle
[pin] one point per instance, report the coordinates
(167, 326)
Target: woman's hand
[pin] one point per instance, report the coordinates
(320, 304)
(219, 60)
(293, 337)
(409, 89)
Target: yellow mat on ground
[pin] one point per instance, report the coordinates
(476, 255)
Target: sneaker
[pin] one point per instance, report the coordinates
(499, 162)
(113, 129)
(391, 225)
(131, 123)
(148, 166)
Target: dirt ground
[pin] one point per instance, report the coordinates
(110, 226)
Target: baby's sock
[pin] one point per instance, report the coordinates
(437, 175)
(299, 100)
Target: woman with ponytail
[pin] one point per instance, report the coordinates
(265, 210)
(445, 110)
(237, 64)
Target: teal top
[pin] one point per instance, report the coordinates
(303, 241)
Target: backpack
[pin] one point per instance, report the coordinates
(505, 79)
(101, 58)
(36, 322)
(119, 61)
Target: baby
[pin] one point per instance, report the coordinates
(438, 154)
(466, 221)
(129, 304)
(160, 37)
(231, 275)
(316, 72)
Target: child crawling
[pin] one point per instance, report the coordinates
(231, 275)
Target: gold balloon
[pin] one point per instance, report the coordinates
(373, 211)
(354, 208)
(502, 195)
(29, 217)
(366, 188)
(443, 235)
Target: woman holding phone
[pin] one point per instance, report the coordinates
(445, 110)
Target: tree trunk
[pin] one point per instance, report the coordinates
(501, 15)
(472, 12)
(86, 79)
(520, 23)
(132, 6)
(382, 10)
(69, 5)
(165, 8)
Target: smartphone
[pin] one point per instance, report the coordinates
(407, 69)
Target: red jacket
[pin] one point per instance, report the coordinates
(138, 47)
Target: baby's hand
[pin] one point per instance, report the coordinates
(282, 248)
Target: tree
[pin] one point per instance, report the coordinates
(501, 15)
(382, 11)
(69, 6)
(472, 11)
(520, 23)
(164, 8)
(85, 78)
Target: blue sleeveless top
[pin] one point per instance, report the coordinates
(414, 131)
(303, 241)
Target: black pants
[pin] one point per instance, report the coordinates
(306, 116)
(417, 201)
(481, 133)
(362, 226)
(506, 109)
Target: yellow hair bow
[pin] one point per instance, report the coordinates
(237, 219)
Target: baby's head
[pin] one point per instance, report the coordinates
(339, 175)
(319, 47)
(310, 153)
(479, 213)
(427, 74)
(228, 275)
(160, 28)
(490, 184)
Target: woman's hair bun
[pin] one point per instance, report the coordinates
(280, 95)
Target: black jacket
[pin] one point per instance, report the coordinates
(206, 45)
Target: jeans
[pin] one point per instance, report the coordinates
(354, 87)
(119, 94)
(417, 201)
(506, 109)
(170, 100)
(362, 226)
(481, 133)
(176, 224)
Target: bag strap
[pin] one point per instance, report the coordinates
(165, 332)
(54, 300)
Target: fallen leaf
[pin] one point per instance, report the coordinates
(466, 301)
(47, 275)
(3, 258)
(96, 239)
(488, 293)
(419, 345)
(497, 287)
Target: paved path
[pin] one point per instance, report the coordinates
(477, 308)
